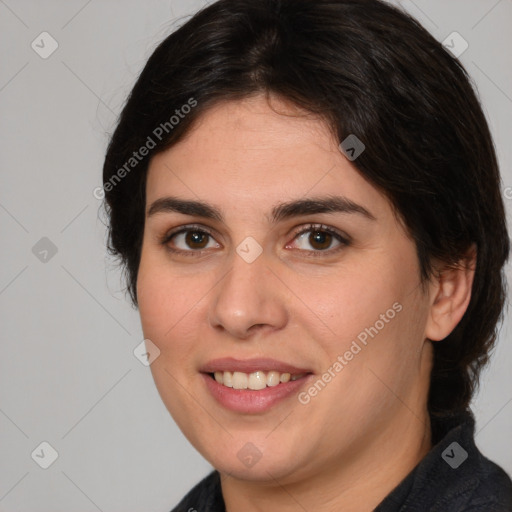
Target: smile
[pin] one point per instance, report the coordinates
(255, 380)
(252, 386)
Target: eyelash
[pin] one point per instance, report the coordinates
(343, 239)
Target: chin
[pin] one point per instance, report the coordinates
(246, 458)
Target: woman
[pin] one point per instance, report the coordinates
(306, 199)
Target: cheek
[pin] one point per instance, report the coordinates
(375, 315)
(151, 299)
(167, 318)
(171, 305)
(158, 308)
(351, 303)
(374, 360)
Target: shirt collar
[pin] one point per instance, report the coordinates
(449, 469)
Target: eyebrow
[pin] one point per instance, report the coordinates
(291, 209)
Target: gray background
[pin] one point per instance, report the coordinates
(68, 375)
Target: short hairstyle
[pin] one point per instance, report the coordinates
(368, 69)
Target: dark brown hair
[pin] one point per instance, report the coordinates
(368, 69)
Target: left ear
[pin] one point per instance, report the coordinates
(450, 292)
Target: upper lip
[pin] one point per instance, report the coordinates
(230, 364)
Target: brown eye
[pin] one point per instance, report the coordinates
(189, 240)
(196, 239)
(320, 240)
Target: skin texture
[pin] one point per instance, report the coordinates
(366, 430)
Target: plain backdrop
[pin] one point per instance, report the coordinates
(68, 375)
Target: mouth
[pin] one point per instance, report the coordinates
(254, 381)
(252, 386)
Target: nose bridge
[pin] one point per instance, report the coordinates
(247, 295)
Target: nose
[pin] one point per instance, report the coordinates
(249, 299)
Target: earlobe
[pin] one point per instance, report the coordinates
(450, 296)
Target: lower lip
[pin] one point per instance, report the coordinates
(250, 401)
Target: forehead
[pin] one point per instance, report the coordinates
(250, 154)
(238, 132)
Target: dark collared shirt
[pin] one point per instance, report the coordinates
(453, 477)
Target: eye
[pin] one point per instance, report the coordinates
(321, 238)
(189, 240)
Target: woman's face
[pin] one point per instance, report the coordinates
(267, 281)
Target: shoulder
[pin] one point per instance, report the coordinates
(453, 476)
(475, 483)
(491, 488)
(492, 491)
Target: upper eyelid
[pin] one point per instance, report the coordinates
(188, 227)
(321, 227)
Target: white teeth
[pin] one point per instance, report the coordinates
(227, 379)
(240, 380)
(273, 379)
(255, 381)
